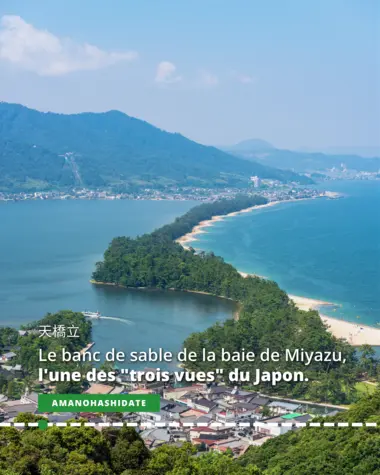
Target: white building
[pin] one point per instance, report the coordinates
(256, 181)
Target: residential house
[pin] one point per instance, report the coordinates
(225, 416)
(30, 398)
(16, 369)
(260, 401)
(182, 394)
(13, 410)
(97, 388)
(279, 425)
(65, 416)
(209, 433)
(237, 395)
(169, 411)
(190, 416)
(8, 356)
(203, 404)
(281, 407)
(126, 381)
(156, 437)
(236, 445)
(246, 409)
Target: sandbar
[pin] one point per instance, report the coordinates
(356, 334)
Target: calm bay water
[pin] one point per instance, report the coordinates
(322, 249)
(48, 251)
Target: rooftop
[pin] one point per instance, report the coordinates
(13, 411)
(284, 405)
(204, 402)
(99, 389)
(293, 415)
(260, 401)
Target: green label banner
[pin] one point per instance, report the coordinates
(99, 403)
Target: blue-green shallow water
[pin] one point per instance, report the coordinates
(322, 249)
(48, 251)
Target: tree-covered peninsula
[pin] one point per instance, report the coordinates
(267, 317)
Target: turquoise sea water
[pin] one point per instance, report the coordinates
(47, 254)
(322, 249)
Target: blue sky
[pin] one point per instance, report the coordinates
(295, 73)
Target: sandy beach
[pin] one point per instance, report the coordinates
(200, 228)
(356, 334)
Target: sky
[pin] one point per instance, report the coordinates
(295, 73)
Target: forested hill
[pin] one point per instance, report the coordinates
(42, 150)
(268, 319)
(23, 167)
(324, 450)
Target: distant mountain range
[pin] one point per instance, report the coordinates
(250, 146)
(44, 150)
(367, 152)
(301, 161)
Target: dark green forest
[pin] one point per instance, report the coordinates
(46, 150)
(27, 350)
(333, 451)
(267, 318)
(112, 451)
(23, 167)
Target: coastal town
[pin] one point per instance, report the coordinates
(212, 417)
(269, 189)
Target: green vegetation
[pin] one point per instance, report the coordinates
(8, 338)
(333, 451)
(185, 223)
(86, 451)
(28, 346)
(268, 319)
(365, 388)
(41, 150)
(28, 168)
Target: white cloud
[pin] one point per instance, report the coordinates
(166, 73)
(44, 53)
(242, 78)
(209, 79)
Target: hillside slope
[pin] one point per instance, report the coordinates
(25, 167)
(325, 450)
(113, 149)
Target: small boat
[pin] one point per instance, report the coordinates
(91, 314)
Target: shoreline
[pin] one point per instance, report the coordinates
(355, 334)
(199, 228)
(201, 292)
